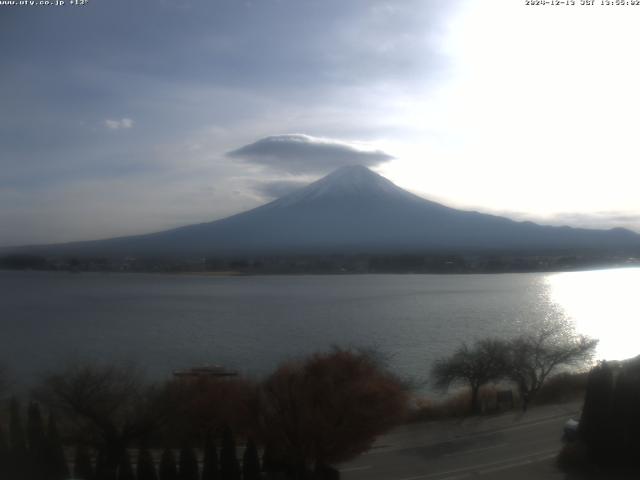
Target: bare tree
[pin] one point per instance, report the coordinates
(110, 405)
(533, 357)
(328, 408)
(474, 366)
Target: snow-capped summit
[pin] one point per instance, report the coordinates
(346, 182)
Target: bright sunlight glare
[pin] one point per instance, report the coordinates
(602, 304)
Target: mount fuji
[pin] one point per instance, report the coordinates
(353, 210)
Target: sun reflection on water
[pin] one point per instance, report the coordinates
(603, 304)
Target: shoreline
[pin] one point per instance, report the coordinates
(239, 273)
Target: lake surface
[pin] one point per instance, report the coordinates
(164, 322)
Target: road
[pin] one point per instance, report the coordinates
(509, 446)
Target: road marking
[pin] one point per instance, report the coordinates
(509, 463)
(355, 469)
(464, 452)
(515, 465)
(529, 424)
(487, 433)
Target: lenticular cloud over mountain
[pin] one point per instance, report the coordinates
(302, 154)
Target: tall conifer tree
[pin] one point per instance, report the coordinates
(4, 455)
(188, 464)
(103, 471)
(35, 427)
(36, 440)
(57, 468)
(250, 462)
(125, 471)
(18, 459)
(210, 466)
(146, 469)
(82, 467)
(16, 431)
(595, 422)
(168, 470)
(229, 467)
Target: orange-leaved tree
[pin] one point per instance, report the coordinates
(328, 408)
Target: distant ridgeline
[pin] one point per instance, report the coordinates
(352, 220)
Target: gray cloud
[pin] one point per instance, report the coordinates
(301, 154)
(278, 188)
(182, 70)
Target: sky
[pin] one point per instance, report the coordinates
(120, 117)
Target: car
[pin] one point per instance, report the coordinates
(570, 431)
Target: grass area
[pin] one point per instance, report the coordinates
(561, 388)
(456, 405)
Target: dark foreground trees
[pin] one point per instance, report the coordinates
(82, 464)
(250, 462)
(527, 360)
(595, 426)
(229, 466)
(34, 454)
(109, 406)
(210, 464)
(327, 409)
(304, 418)
(610, 418)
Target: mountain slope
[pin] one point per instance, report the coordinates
(353, 210)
